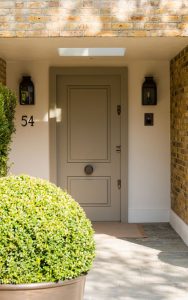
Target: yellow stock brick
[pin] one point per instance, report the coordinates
(37, 4)
(38, 18)
(120, 26)
(153, 18)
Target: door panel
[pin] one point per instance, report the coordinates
(80, 188)
(88, 133)
(88, 139)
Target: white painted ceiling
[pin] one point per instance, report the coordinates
(29, 49)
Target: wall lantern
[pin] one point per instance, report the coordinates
(149, 92)
(26, 91)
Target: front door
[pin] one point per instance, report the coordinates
(88, 142)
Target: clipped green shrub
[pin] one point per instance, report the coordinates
(44, 234)
(7, 111)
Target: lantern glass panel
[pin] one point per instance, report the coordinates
(26, 91)
(149, 92)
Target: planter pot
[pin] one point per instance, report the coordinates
(65, 290)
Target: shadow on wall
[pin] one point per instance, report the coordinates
(93, 17)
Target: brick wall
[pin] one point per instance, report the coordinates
(179, 134)
(2, 71)
(25, 18)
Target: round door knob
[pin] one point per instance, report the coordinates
(88, 169)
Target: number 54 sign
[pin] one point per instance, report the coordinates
(27, 121)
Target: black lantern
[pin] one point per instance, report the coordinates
(27, 91)
(149, 92)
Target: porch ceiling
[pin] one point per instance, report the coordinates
(152, 48)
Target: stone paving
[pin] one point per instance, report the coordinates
(152, 268)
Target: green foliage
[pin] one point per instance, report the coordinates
(7, 111)
(44, 234)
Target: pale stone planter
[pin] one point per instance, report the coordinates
(66, 290)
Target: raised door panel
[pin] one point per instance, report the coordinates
(92, 191)
(88, 124)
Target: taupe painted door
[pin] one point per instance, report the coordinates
(88, 133)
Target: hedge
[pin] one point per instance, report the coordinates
(45, 235)
(7, 111)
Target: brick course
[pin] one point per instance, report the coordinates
(2, 71)
(179, 134)
(93, 18)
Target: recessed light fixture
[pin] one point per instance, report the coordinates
(91, 51)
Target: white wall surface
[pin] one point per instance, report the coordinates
(179, 226)
(30, 149)
(148, 147)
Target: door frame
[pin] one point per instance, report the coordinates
(123, 73)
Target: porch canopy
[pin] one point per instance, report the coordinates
(46, 49)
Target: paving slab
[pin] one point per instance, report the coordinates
(152, 268)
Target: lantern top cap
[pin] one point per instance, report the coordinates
(26, 76)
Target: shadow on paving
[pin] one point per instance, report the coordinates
(144, 268)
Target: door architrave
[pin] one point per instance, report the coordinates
(123, 73)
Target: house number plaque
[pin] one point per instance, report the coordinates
(27, 121)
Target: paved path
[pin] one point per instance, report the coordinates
(153, 268)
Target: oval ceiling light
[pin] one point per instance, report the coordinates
(91, 51)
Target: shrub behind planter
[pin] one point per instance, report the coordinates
(7, 111)
(44, 234)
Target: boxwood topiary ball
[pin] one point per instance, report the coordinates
(44, 234)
